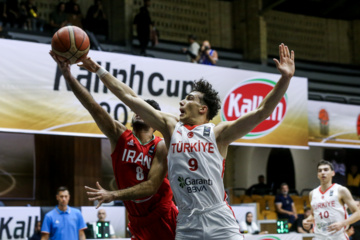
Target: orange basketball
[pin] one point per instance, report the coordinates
(70, 43)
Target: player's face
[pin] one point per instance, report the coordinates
(325, 173)
(190, 106)
(63, 198)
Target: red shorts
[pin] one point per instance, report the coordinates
(155, 226)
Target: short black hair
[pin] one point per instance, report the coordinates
(210, 97)
(324, 162)
(153, 103)
(61, 189)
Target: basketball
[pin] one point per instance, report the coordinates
(70, 43)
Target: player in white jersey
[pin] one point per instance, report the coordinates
(329, 218)
(197, 148)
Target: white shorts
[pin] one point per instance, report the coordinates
(339, 236)
(217, 222)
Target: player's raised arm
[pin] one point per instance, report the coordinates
(111, 128)
(228, 132)
(156, 119)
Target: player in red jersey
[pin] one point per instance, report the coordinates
(140, 168)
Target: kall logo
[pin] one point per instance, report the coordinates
(246, 98)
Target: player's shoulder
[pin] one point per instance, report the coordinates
(312, 192)
(342, 189)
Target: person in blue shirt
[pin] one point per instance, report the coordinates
(284, 205)
(63, 222)
(207, 55)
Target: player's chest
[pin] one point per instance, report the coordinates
(137, 155)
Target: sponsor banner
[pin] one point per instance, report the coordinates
(334, 124)
(114, 215)
(18, 222)
(35, 97)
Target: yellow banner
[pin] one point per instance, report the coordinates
(334, 124)
(35, 98)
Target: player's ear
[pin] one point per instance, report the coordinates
(203, 109)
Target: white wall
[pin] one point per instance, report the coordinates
(305, 162)
(250, 162)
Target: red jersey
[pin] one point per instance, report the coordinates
(131, 162)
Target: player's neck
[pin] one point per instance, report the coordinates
(325, 185)
(144, 136)
(195, 121)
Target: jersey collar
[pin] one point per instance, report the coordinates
(326, 189)
(153, 137)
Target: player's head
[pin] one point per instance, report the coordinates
(63, 196)
(137, 122)
(101, 215)
(325, 171)
(202, 101)
(324, 162)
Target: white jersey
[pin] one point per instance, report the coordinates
(327, 209)
(196, 167)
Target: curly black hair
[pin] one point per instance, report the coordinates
(210, 97)
(153, 103)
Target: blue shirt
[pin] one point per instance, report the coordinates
(63, 225)
(205, 60)
(286, 204)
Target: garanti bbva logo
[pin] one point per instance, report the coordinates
(246, 98)
(182, 182)
(194, 185)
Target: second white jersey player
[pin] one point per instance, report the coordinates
(328, 209)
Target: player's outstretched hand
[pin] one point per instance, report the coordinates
(100, 194)
(335, 227)
(307, 223)
(89, 65)
(286, 65)
(64, 66)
